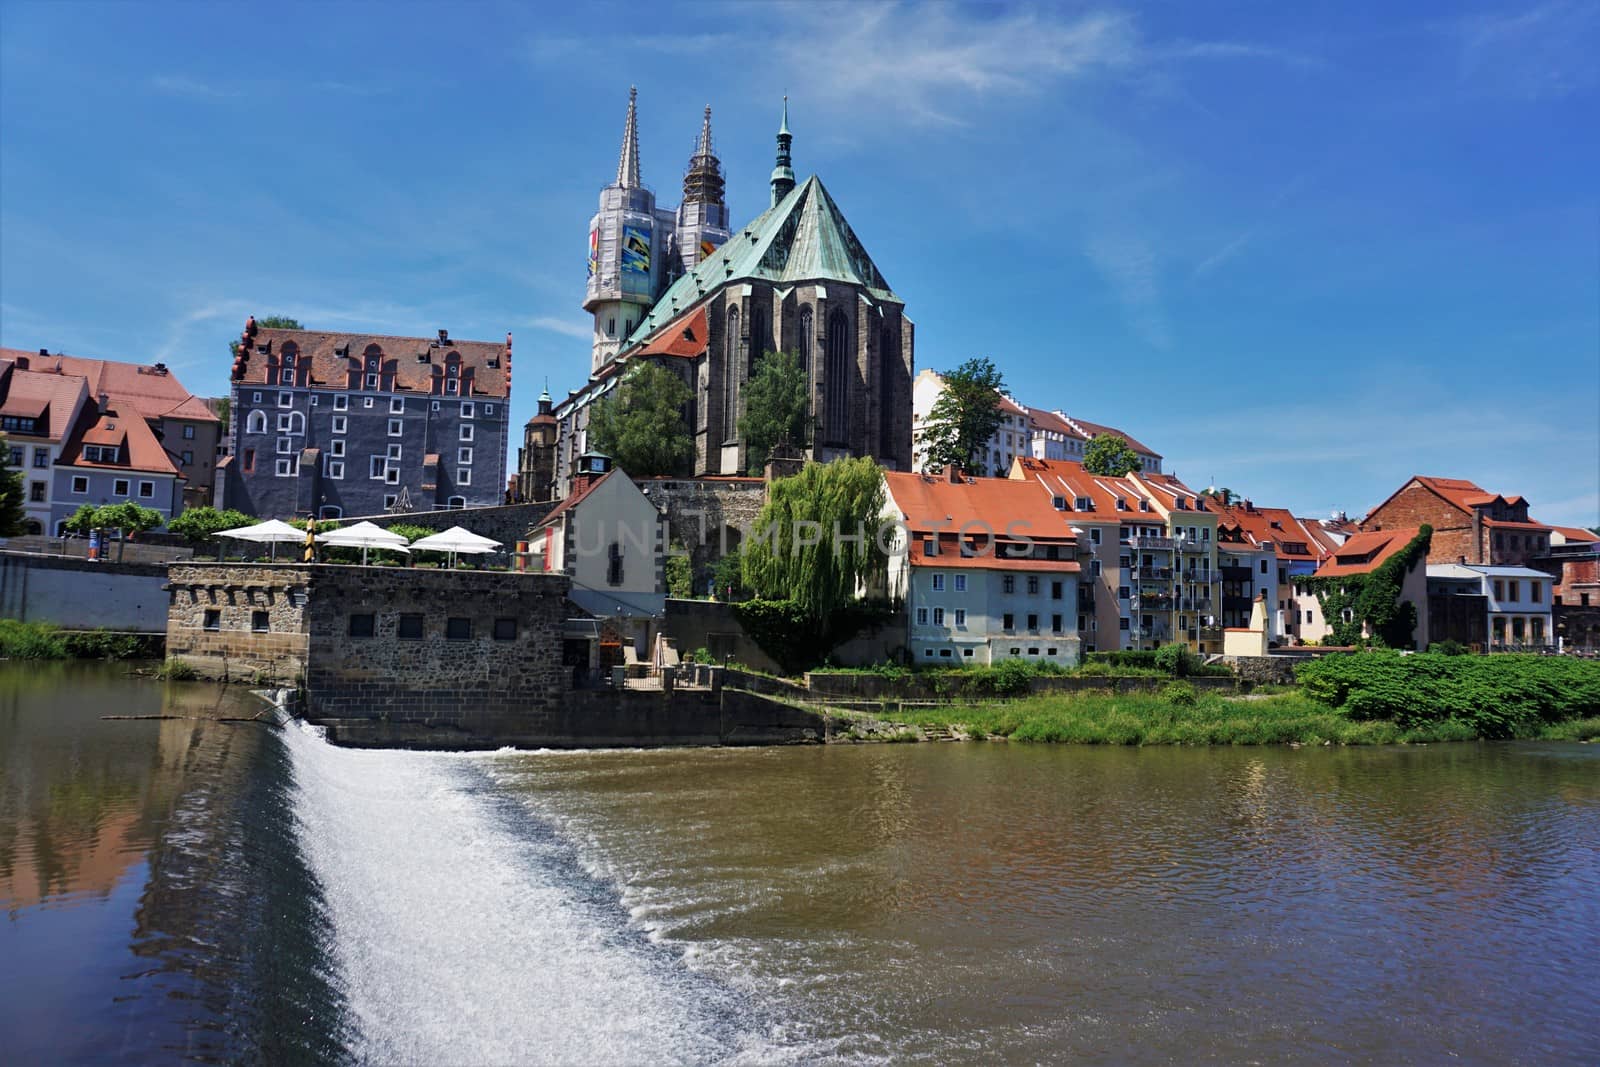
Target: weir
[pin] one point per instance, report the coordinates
(466, 930)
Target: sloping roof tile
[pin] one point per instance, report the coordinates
(1007, 508)
(805, 238)
(1366, 551)
(151, 390)
(489, 360)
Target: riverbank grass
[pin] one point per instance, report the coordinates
(1183, 719)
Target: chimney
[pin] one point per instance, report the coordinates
(1461, 560)
(444, 337)
(105, 402)
(954, 473)
(1249, 505)
(44, 351)
(22, 362)
(1477, 535)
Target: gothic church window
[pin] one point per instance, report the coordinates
(807, 333)
(760, 336)
(730, 377)
(839, 359)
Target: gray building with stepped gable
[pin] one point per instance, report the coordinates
(337, 424)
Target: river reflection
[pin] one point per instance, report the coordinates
(126, 850)
(1016, 902)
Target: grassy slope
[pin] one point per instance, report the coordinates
(1151, 719)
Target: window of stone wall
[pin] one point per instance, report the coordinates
(260, 621)
(361, 624)
(505, 629)
(212, 620)
(458, 629)
(410, 628)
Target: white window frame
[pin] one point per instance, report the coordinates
(466, 433)
(392, 475)
(395, 452)
(188, 433)
(922, 616)
(434, 406)
(341, 402)
(961, 583)
(286, 376)
(255, 422)
(938, 583)
(961, 617)
(464, 455)
(466, 409)
(255, 398)
(397, 405)
(284, 468)
(938, 616)
(377, 468)
(80, 484)
(397, 427)
(335, 468)
(372, 382)
(341, 423)
(120, 487)
(147, 490)
(336, 448)
(285, 447)
(286, 400)
(366, 401)
(488, 409)
(389, 499)
(463, 475)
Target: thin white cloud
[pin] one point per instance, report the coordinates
(1237, 244)
(1127, 260)
(183, 85)
(581, 330)
(1541, 52)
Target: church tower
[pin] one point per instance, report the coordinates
(703, 215)
(783, 173)
(628, 242)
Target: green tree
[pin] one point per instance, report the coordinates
(12, 517)
(727, 577)
(815, 540)
(127, 518)
(965, 417)
(82, 521)
(774, 407)
(269, 322)
(679, 575)
(1110, 455)
(224, 409)
(199, 525)
(640, 425)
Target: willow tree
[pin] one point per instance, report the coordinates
(816, 542)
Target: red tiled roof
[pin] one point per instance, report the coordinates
(933, 502)
(1050, 422)
(1095, 429)
(949, 555)
(1577, 533)
(1067, 478)
(30, 393)
(1365, 551)
(1011, 407)
(687, 335)
(1506, 524)
(1258, 525)
(131, 434)
(568, 504)
(334, 355)
(151, 390)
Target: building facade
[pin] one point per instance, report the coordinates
(338, 424)
(795, 279)
(1518, 601)
(987, 570)
(1468, 521)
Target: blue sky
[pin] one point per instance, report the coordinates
(1305, 251)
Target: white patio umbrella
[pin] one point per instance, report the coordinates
(273, 532)
(455, 541)
(365, 536)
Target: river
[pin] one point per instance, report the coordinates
(225, 891)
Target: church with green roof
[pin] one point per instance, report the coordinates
(709, 301)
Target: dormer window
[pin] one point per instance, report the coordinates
(1083, 503)
(1059, 503)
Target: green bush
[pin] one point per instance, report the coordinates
(1125, 658)
(1177, 660)
(1448, 648)
(100, 644)
(31, 640)
(1497, 696)
(177, 670)
(1180, 694)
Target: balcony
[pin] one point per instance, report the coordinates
(1156, 602)
(1162, 544)
(1154, 574)
(1187, 545)
(1211, 633)
(1235, 574)
(1155, 632)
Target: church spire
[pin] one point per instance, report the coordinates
(703, 182)
(783, 174)
(628, 163)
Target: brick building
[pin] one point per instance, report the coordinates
(794, 279)
(1470, 524)
(334, 424)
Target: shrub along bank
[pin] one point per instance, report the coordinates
(1368, 698)
(41, 640)
(1494, 696)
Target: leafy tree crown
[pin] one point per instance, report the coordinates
(774, 407)
(965, 417)
(640, 425)
(1110, 455)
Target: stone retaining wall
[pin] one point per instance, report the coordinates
(1264, 670)
(233, 621)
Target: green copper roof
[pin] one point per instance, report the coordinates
(804, 238)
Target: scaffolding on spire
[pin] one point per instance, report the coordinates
(703, 181)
